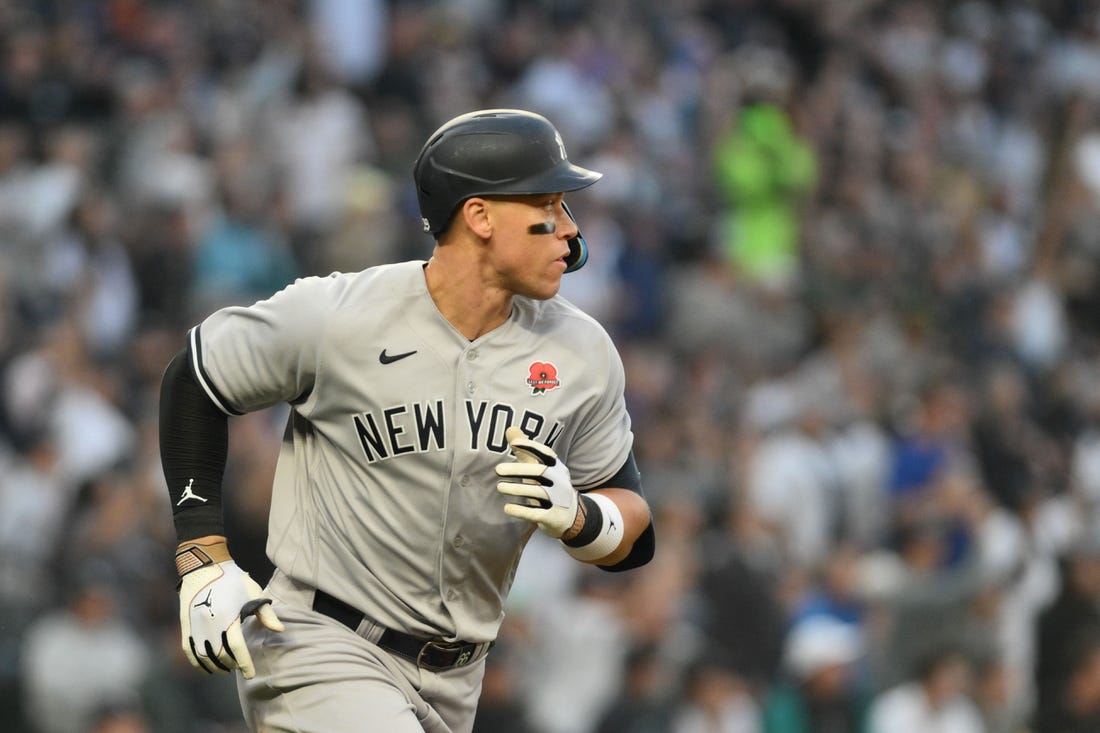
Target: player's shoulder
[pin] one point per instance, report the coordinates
(559, 314)
(379, 282)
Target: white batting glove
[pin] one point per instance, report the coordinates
(540, 477)
(214, 598)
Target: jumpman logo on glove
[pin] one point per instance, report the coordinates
(207, 602)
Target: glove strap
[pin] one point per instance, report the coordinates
(191, 556)
(602, 531)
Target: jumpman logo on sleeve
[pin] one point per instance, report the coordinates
(189, 494)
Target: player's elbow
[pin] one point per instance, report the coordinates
(639, 540)
(641, 552)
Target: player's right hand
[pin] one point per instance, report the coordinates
(214, 598)
(541, 481)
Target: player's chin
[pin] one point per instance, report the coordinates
(552, 284)
(544, 291)
(544, 287)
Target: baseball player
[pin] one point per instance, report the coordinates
(441, 413)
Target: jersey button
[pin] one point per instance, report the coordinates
(471, 388)
(464, 480)
(458, 540)
(452, 595)
(471, 354)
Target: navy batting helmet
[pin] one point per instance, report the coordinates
(493, 152)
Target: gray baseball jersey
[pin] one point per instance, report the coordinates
(384, 494)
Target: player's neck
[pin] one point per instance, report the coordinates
(463, 299)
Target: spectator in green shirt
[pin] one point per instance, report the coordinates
(764, 169)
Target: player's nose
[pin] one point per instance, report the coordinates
(564, 226)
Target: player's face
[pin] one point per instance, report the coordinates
(531, 241)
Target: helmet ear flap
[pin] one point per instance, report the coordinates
(578, 248)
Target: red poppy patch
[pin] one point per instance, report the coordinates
(543, 376)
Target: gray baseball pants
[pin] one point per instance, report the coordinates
(319, 677)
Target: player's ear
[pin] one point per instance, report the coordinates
(475, 213)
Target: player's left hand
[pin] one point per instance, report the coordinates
(215, 598)
(539, 475)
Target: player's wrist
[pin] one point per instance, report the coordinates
(571, 533)
(201, 552)
(198, 523)
(601, 532)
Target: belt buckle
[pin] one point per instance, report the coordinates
(461, 660)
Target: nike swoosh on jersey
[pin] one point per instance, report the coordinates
(388, 359)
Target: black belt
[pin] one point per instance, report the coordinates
(433, 654)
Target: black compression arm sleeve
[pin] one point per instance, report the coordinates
(194, 444)
(629, 477)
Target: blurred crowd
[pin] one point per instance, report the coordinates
(849, 250)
